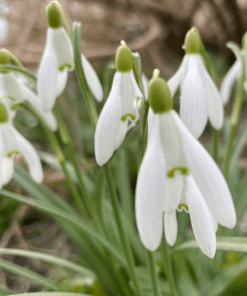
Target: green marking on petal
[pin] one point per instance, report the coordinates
(3, 113)
(13, 153)
(183, 207)
(54, 15)
(131, 116)
(183, 170)
(66, 65)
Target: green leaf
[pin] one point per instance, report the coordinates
(49, 294)
(237, 244)
(31, 275)
(48, 258)
(5, 291)
(83, 227)
(226, 278)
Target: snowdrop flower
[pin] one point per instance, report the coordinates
(200, 98)
(12, 143)
(57, 58)
(234, 72)
(119, 109)
(13, 86)
(178, 173)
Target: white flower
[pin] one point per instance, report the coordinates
(15, 87)
(200, 98)
(12, 143)
(58, 55)
(177, 172)
(118, 110)
(92, 79)
(233, 74)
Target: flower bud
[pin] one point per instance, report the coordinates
(244, 42)
(124, 58)
(54, 15)
(3, 113)
(159, 95)
(192, 41)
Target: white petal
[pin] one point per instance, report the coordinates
(61, 81)
(137, 91)
(208, 177)
(64, 49)
(193, 101)
(174, 82)
(31, 157)
(171, 228)
(48, 74)
(8, 139)
(33, 99)
(12, 86)
(92, 79)
(145, 83)
(123, 128)
(7, 169)
(227, 83)
(201, 219)
(150, 193)
(173, 192)
(128, 93)
(215, 106)
(108, 124)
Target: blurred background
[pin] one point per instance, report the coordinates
(156, 28)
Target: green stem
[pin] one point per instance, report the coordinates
(167, 266)
(80, 74)
(67, 141)
(124, 239)
(58, 151)
(153, 274)
(234, 122)
(215, 145)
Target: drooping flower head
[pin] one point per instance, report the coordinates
(119, 109)
(12, 143)
(58, 57)
(13, 90)
(235, 71)
(199, 98)
(178, 173)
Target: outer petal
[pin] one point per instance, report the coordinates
(92, 79)
(7, 169)
(171, 228)
(215, 107)
(48, 74)
(123, 128)
(193, 101)
(33, 99)
(173, 192)
(150, 193)
(227, 83)
(108, 124)
(12, 86)
(145, 83)
(174, 82)
(201, 219)
(64, 49)
(31, 157)
(208, 177)
(8, 139)
(61, 81)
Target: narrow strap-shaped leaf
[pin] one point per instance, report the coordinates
(48, 258)
(5, 291)
(68, 217)
(236, 244)
(31, 275)
(50, 294)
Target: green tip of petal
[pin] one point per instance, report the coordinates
(54, 15)
(13, 153)
(3, 113)
(171, 173)
(183, 206)
(124, 58)
(192, 43)
(244, 42)
(159, 95)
